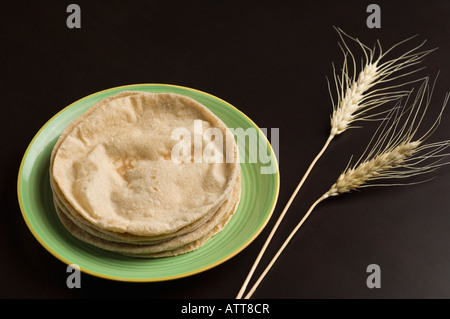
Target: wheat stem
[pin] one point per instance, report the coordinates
(350, 180)
(380, 166)
(280, 218)
(286, 242)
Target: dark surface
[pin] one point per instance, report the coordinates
(271, 61)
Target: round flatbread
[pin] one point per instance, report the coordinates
(113, 166)
(179, 244)
(124, 237)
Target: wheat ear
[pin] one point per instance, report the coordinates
(355, 98)
(396, 153)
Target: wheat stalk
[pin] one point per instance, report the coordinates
(355, 97)
(396, 153)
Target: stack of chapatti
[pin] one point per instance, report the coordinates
(117, 186)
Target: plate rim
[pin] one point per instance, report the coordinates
(163, 278)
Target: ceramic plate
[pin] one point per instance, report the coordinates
(258, 199)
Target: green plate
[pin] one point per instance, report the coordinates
(258, 200)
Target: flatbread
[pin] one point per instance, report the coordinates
(179, 245)
(112, 166)
(111, 243)
(124, 237)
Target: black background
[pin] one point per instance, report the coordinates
(270, 60)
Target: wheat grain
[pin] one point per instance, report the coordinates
(396, 153)
(354, 178)
(355, 97)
